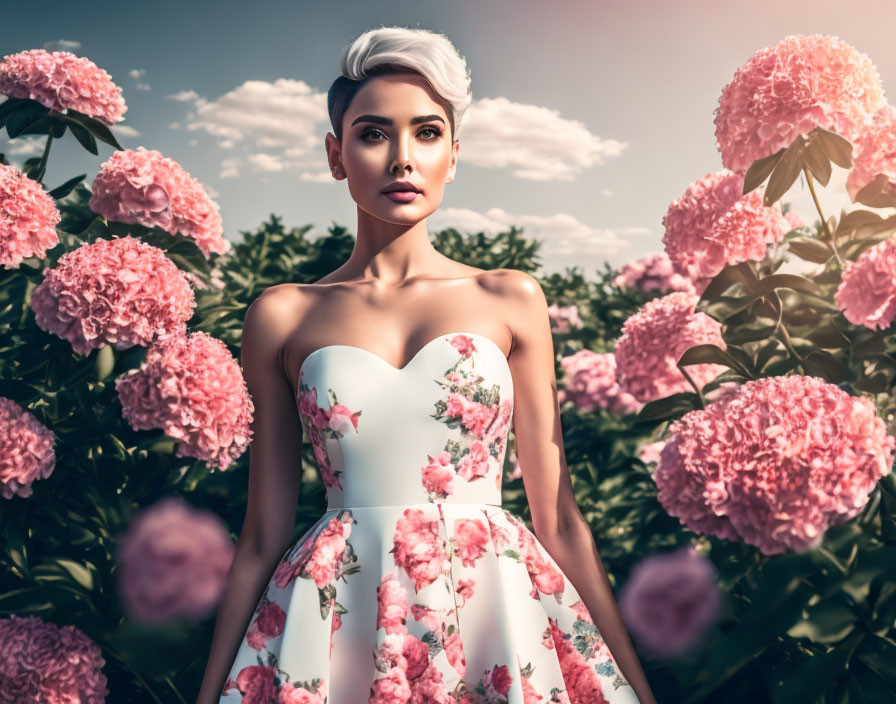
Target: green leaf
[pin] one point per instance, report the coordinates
(825, 365)
(881, 659)
(828, 621)
(815, 159)
(838, 149)
(793, 281)
(82, 134)
(819, 675)
(711, 354)
(786, 172)
(810, 249)
(62, 191)
(79, 573)
(667, 407)
(760, 169)
(95, 127)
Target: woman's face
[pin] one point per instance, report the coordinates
(395, 130)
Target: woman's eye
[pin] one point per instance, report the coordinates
(436, 132)
(369, 132)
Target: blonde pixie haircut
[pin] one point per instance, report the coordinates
(400, 49)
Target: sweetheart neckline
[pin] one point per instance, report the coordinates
(415, 356)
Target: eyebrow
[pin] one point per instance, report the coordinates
(388, 121)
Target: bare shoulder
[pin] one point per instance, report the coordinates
(525, 307)
(269, 322)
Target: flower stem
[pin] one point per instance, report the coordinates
(824, 222)
(45, 157)
(699, 392)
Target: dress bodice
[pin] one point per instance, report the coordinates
(433, 431)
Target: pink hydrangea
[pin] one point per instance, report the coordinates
(43, 662)
(653, 340)
(26, 450)
(62, 81)
(802, 82)
(653, 272)
(143, 187)
(173, 562)
(670, 600)
(28, 218)
(589, 381)
(794, 220)
(564, 318)
(874, 153)
(774, 463)
(122, 292)
(867, 290)
(712, 224)
(192, 388)
(649, 452)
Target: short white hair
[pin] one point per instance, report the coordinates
(393, 49)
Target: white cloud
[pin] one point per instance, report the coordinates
(184, 96)
(535, 142)
(282, 117)
(320, 177)
(566, 241)
(124, 131)
(62, 45)
(26, 145)
(229, 168)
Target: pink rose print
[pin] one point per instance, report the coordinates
(482, 418)
(268, 625)
(418, 547)
(303, 693)
(530, 694)
(320, 423)
(585, 686)
(256, 684)
(470, 536)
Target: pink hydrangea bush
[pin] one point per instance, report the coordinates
(142, 187)
(774, 463)
(653, 272)
(122, 292)
(653, 340)
(670, 600)
(564, 318)
(794, 220)
(192, 388)
(802, 82)
(43, 662)
(589, 382)
(867, 290)
(26, 450)
(62, 81)
(28, 218)
(713, 224)
(173, 562)
(874, 153)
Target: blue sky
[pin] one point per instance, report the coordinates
(611, 103)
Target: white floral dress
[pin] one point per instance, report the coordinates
(416, 585)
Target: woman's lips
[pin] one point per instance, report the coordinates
(401, 196)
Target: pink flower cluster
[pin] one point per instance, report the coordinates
(43, 662)
(803, 82)
(173, 562)
(62, 81)
(261, 684)
(653, 340)
(143, 187)
(404, 660)
(712, 224)
(670, 600)
(26, 450)
(653, 272)
(418, 548)
(122, 292)
(318, 560)
(192, 388)
(28, 218)
(564, 318)
(794, 220)
(774, 463)
(589, 381)
(874, 153)
(867, 290)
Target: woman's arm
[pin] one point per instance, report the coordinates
(274, 481)
(556, 518)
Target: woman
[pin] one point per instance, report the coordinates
(404, 369)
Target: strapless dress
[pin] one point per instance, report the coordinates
(416, 585)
